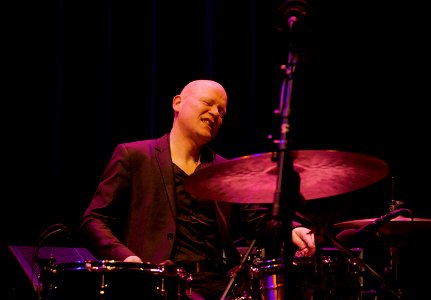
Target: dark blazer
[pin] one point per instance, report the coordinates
(133, 210)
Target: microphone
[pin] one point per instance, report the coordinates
(353, 236)
(291, 12)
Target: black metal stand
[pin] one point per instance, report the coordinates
(395, 292)
(287, 194)
(237, 270)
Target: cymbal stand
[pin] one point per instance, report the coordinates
(392, 269)
(287, 195)
(364, 265)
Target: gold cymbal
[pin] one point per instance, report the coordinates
(399, 224)
(252, 178)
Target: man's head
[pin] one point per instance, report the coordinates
(199, 109)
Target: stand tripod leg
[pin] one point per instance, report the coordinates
(238, 269)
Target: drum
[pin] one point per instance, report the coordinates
(112, 280)
(331, 275)
(267, 278)
(271, 279)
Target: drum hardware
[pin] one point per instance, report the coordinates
(264, 278)
(366, 267)
(46, 264)
(45, 280)
(256, 179)
(340, 276)
(393, 232)
(331, 274)
(112, 280)
(233, 274)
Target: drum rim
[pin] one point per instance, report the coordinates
(108, 266)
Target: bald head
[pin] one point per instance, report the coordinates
(201, 85)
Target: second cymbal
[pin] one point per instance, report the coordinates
(252, 179)
(399, 224)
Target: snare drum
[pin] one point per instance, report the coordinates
(112, 280)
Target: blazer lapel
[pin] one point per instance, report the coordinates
(163, 157)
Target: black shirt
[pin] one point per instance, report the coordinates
(197, 237)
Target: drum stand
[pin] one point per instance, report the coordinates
(396, 293)
(237, 270)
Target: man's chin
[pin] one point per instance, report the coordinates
(206, 137)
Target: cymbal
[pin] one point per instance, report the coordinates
(399, 224)
(253, 178)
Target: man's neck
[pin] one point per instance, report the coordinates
(184, 152)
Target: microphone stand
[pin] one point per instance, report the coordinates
(286, 196)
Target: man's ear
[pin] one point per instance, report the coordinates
(176, 103)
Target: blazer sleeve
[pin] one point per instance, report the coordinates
(99, 227)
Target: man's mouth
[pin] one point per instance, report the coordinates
(208, 122)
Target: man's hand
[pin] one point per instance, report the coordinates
(133, 259)
(303, 238)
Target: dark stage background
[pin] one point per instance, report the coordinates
(82, 76)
